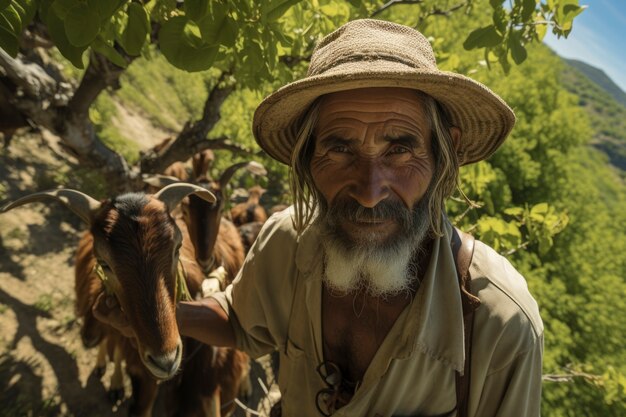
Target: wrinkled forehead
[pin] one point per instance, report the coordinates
(371, 106)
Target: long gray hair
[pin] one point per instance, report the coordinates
(445, 179)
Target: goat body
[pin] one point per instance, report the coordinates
(251, 210)
(140, 245)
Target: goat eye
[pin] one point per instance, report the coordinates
(104, 265)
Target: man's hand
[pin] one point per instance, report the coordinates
(107, 310)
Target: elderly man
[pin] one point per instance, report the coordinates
(364, 286)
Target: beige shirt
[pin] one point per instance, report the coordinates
(275, 303)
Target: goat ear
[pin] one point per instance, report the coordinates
(160, 181)
(173, 194)
(81, 204)
(253, 167)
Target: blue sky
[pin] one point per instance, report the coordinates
(598, 38)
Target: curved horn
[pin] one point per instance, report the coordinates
(160, 181)
(174, 193)
(80, 203)
(253, 167)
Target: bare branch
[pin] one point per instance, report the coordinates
(220, 143)
(100, 74)
(44, 101)
(570, 375)
(193, 137)
(392, 3)
(440, 12)
(520, 246)
(211, 112)
(31, 78)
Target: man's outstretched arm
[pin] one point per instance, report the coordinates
(206, 321)
(203, 320)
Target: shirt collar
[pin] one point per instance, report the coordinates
(435, 321)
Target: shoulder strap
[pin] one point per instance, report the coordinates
(463, 250)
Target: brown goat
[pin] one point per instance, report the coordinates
(215, 239)
(138, 245)
(251, 210)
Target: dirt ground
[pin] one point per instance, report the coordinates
(44, 369)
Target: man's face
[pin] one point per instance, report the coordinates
(372, 150)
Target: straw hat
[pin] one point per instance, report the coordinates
(376, 53)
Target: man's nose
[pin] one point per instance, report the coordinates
(369, 186)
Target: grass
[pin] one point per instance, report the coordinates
(101, 114)
(44, 303)
(167, 96)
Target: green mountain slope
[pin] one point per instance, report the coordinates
(607, 115)
(600, 78)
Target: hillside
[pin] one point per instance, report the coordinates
(607, 115)
(598, 76)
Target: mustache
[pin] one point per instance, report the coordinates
(350, 210)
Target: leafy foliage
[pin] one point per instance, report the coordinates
(546, 199)
(251, 35)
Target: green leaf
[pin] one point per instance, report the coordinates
(545, 243)
(196, 10)
(182, 49)
(4, 3)
(56, 28)
(499, 19)
(540, 28)
(136, 31)
(212, 24)
(279, 8)
(487, 36)
(29, 8)
(106, 8)
(570, 11)
(503, 59)
(8, 41)
(229, 32)
(10, 19)
(528, 8)
(61, 7)
(514, 211)
(82, 25)
(518, 52)
(109, 52)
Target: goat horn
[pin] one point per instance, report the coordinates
(160, 181)
(80, 203)
(174, 193)
(253, 167)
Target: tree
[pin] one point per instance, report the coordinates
(251, 44)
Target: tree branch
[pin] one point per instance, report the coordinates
(43, 100)
(100, 74)
(392, 3)
(31, 78)
(192, 138)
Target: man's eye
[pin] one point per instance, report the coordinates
(339, 149)
(399, 149)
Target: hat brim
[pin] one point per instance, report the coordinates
(483, 117)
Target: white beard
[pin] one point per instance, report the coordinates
(381, 272)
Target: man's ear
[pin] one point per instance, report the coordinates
(455, 134)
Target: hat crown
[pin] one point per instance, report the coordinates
(368, 40)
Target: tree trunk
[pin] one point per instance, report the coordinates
(193, 137)
(40, 103)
